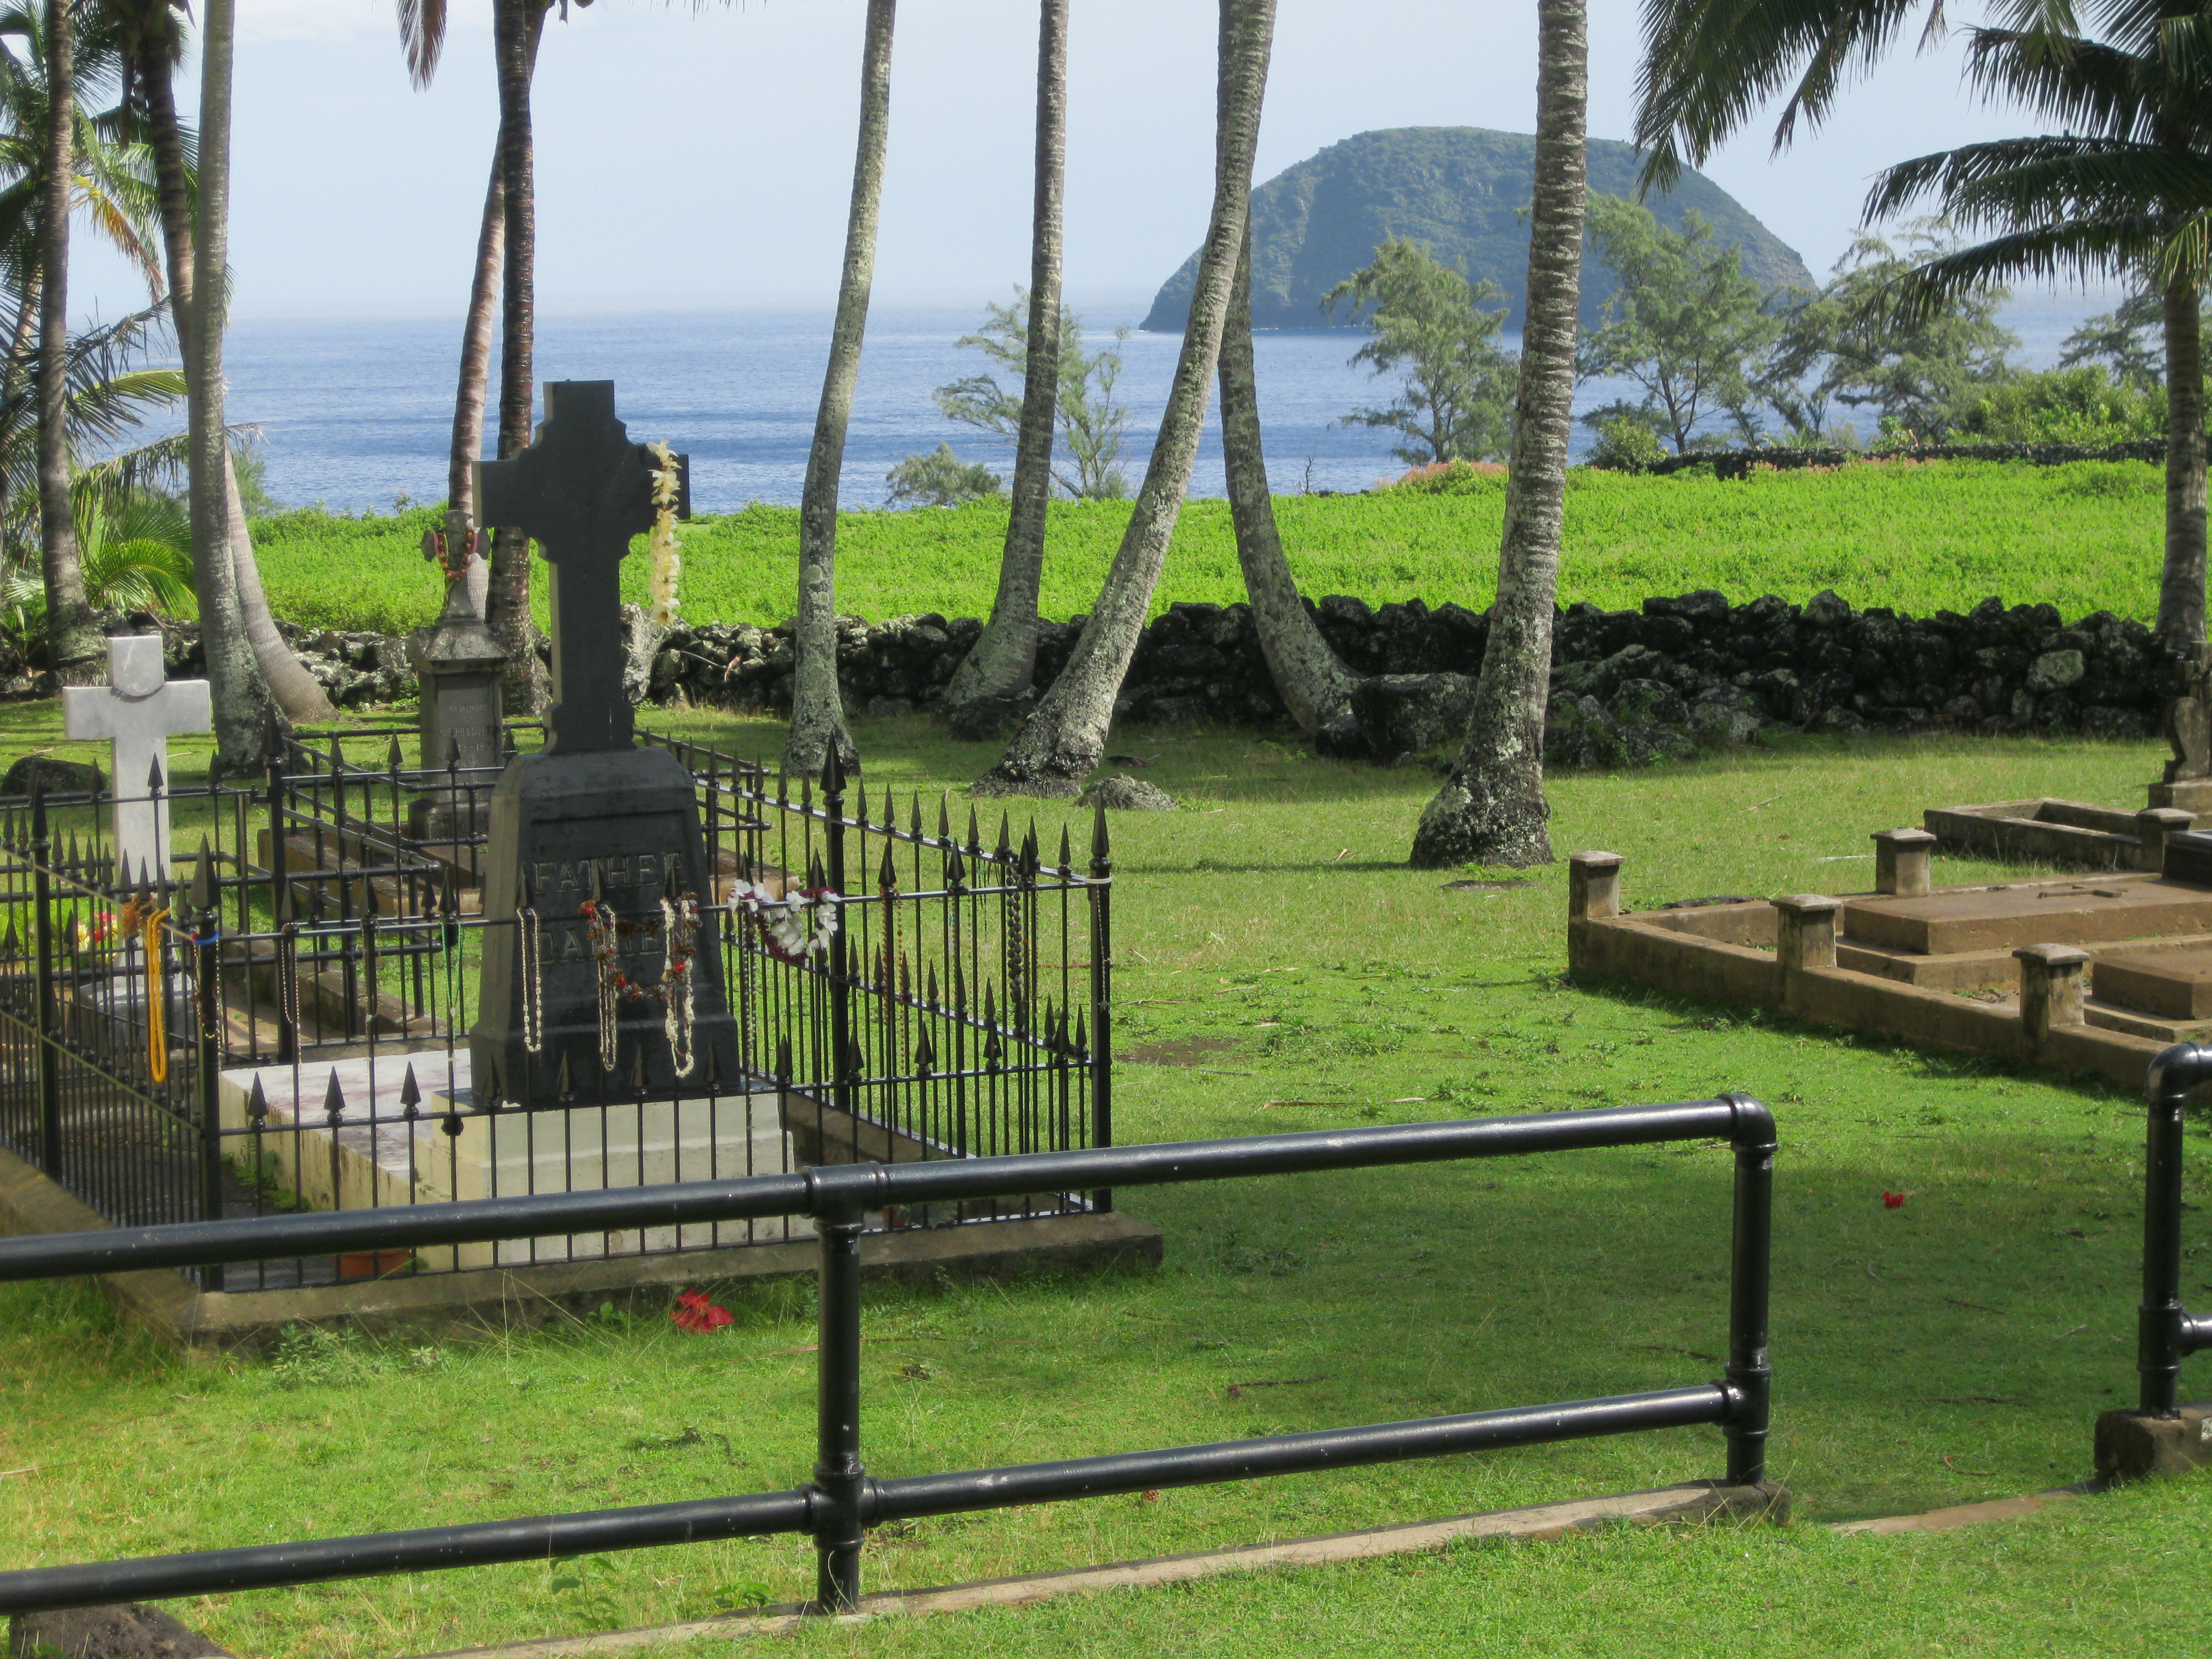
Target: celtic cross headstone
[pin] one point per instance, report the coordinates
(595, 848)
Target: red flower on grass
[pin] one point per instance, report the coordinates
(1893, 1200)
(693, 1312)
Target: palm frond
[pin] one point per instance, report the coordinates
(1709, 64)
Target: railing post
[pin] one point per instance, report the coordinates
(1101, 891)
(837, 1469)
(1748, 1370)
(2158, 1318)
(49, 1010)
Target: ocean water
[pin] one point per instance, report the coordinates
(355, 413)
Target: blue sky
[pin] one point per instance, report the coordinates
(700, 157)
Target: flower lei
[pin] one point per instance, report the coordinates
(793, 926)
(661, 549)
(599, 930)
(679, 923)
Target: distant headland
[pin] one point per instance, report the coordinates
(1458, 189)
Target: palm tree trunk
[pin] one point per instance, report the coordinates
(1491, 809)
(21, 341)
(2181, 588)
(72, 640)
(1065, 737)
(1003, 661)
(516, 26)
(239, 694)
(817, 710)
(476, 350)
(297, 692)
(1316, 686)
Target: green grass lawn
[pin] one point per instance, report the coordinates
(1280, 968)
(1916, 536)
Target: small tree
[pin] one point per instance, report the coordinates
(1685, 324)
(941, 478)
(2125, 343)
(1923, 373)
(1426, 320)
(1091, 423)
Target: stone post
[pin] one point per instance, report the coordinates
(2050, 990)
(1804, 937)
(1593, 886)
(1901, 858)
(2153, 826)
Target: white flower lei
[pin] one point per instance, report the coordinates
(795, 925)
(667, 562)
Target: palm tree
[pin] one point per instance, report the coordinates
(2125, 190)
(1492, 808)
(72, 639)
(1315, 684)
(516, 25)
(817, 712)
(422, 38)
(1710, 63)
(1064, 737)
(151, 40)
(239, 693)
(1000, 664)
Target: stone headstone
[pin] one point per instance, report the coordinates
(592, 819)
(139, 711)
(2187, 782)
(458, 667)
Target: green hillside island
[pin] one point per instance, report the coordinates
(1458, 189)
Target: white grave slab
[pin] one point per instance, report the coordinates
(137, 711)
(381, 1159)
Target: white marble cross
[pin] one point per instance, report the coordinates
(137, 712)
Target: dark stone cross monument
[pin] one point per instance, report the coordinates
(592, 820)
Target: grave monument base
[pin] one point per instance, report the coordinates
(571, 828)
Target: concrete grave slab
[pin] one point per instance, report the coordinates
(379, 1156)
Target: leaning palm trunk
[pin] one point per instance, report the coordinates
(1492, 808)
(2181, 588)
(1315, 685)
(72, 640)
(1065, 737)
(817, 710)
(476, 353)
(1003, 661)
(483, 305)
(516, 25)
(298, 693)
(241, 695)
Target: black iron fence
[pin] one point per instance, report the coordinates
(843, 1501)
(281, 1021)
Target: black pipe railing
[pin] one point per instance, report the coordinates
(843, 1501)
(2165, 1332)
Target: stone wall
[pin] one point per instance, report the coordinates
(1738, 463)
(1628, 686)
(354, 670)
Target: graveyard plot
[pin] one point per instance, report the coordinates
(819, 976)
(1951, 1349)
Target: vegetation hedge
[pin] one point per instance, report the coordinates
(1918, 537)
